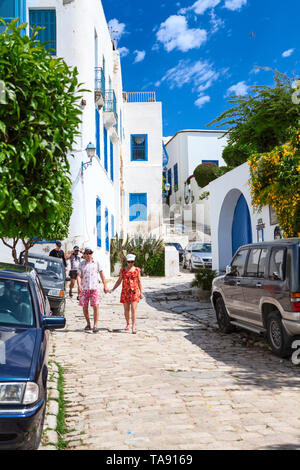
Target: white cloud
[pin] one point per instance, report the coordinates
(140, 56)
(116, 29)
(240, 89)
(288, 53)
(174, 33)
(235, 4)
(202, 100)
(215, 22)
(201, 6)
(123, 51)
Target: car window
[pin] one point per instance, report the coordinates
(16, 304)
(252, 264)
(238, 263)
(262, 262)
(47, 267)
(202, 247)
(276, 266)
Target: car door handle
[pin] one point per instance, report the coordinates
(259, 284)
(238, 283)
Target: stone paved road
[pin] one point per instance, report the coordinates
(178, 384)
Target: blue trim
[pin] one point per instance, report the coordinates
(105, 149)
(139, 153)
(98, 222)
(111, 161)
(170, 181)
(176, 176)
(106, 231)
(216, 162)
(138, 207)
(112, 226)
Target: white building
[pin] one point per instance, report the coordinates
(106, 191)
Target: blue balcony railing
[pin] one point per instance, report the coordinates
(110, 101)
(99, 80)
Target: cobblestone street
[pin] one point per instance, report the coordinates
(178, 384)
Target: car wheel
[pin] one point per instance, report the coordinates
(278, 339)
(223, 318)
(191, 267)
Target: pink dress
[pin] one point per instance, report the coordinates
(130, 287)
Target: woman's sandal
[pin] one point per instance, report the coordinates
(127, 328)
(134, 332)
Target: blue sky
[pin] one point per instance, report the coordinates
(195, 54)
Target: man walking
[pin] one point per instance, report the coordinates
(57, 252)
(75, 260)
(87, 279)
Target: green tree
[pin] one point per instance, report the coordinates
(259, 121)
(39, 120)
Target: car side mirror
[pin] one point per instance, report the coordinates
(53, 323)
(228, 269)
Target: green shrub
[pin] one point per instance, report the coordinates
(204, 278)
(155, 266)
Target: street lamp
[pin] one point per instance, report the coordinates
(91, 153)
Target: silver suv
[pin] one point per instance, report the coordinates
(197, 255)
(261, 292)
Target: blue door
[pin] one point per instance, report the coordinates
(241, 227)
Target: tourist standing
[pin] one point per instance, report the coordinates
(88, 287)
(57, 252)
(75, 260)
(132, 291)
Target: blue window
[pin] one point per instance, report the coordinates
(111, 161)
(12, 9)
(47, 20)
(98, 221)
(112, 226)
(216, 162)
(105, 150)
(98, 133)
(138, 207)
(139, 148)
(170, 180)
(176, 177)
(106, 231)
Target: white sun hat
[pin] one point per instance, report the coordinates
(130, 258)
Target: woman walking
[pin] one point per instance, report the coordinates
(132, 292)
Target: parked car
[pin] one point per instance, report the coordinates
(197, 255)
(25, 321)
(53, 278)
(178, 248)
(261, 292)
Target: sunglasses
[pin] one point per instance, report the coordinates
(130, 262)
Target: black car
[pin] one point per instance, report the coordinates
(25, 321)
(52, 274)
(261, 292)
(178, 248)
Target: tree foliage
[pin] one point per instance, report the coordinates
(39, 119)
(205, 173)
(259, 121)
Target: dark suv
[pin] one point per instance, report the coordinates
(261, 292)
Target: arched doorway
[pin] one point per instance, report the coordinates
(234, 228)
(241, 225)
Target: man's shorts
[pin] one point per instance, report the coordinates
(73, 274)
(87, 296)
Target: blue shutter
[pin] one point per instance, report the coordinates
(98, 221)
(138, 207)
(105, 150)
(106, 231)
(12, 9)
(176, 175)
(111, 161)
(98, 133)
(47, 20)
(139, 147)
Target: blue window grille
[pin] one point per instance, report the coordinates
(105, 149)
(176, 177)
(139, 148)
(98, 222)
(98, 132)
(138, 211)
(12, 9)
(216, 162)
(106, 231)
(111, 161)
(47, 20)
(170, 180)
(112, 226)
